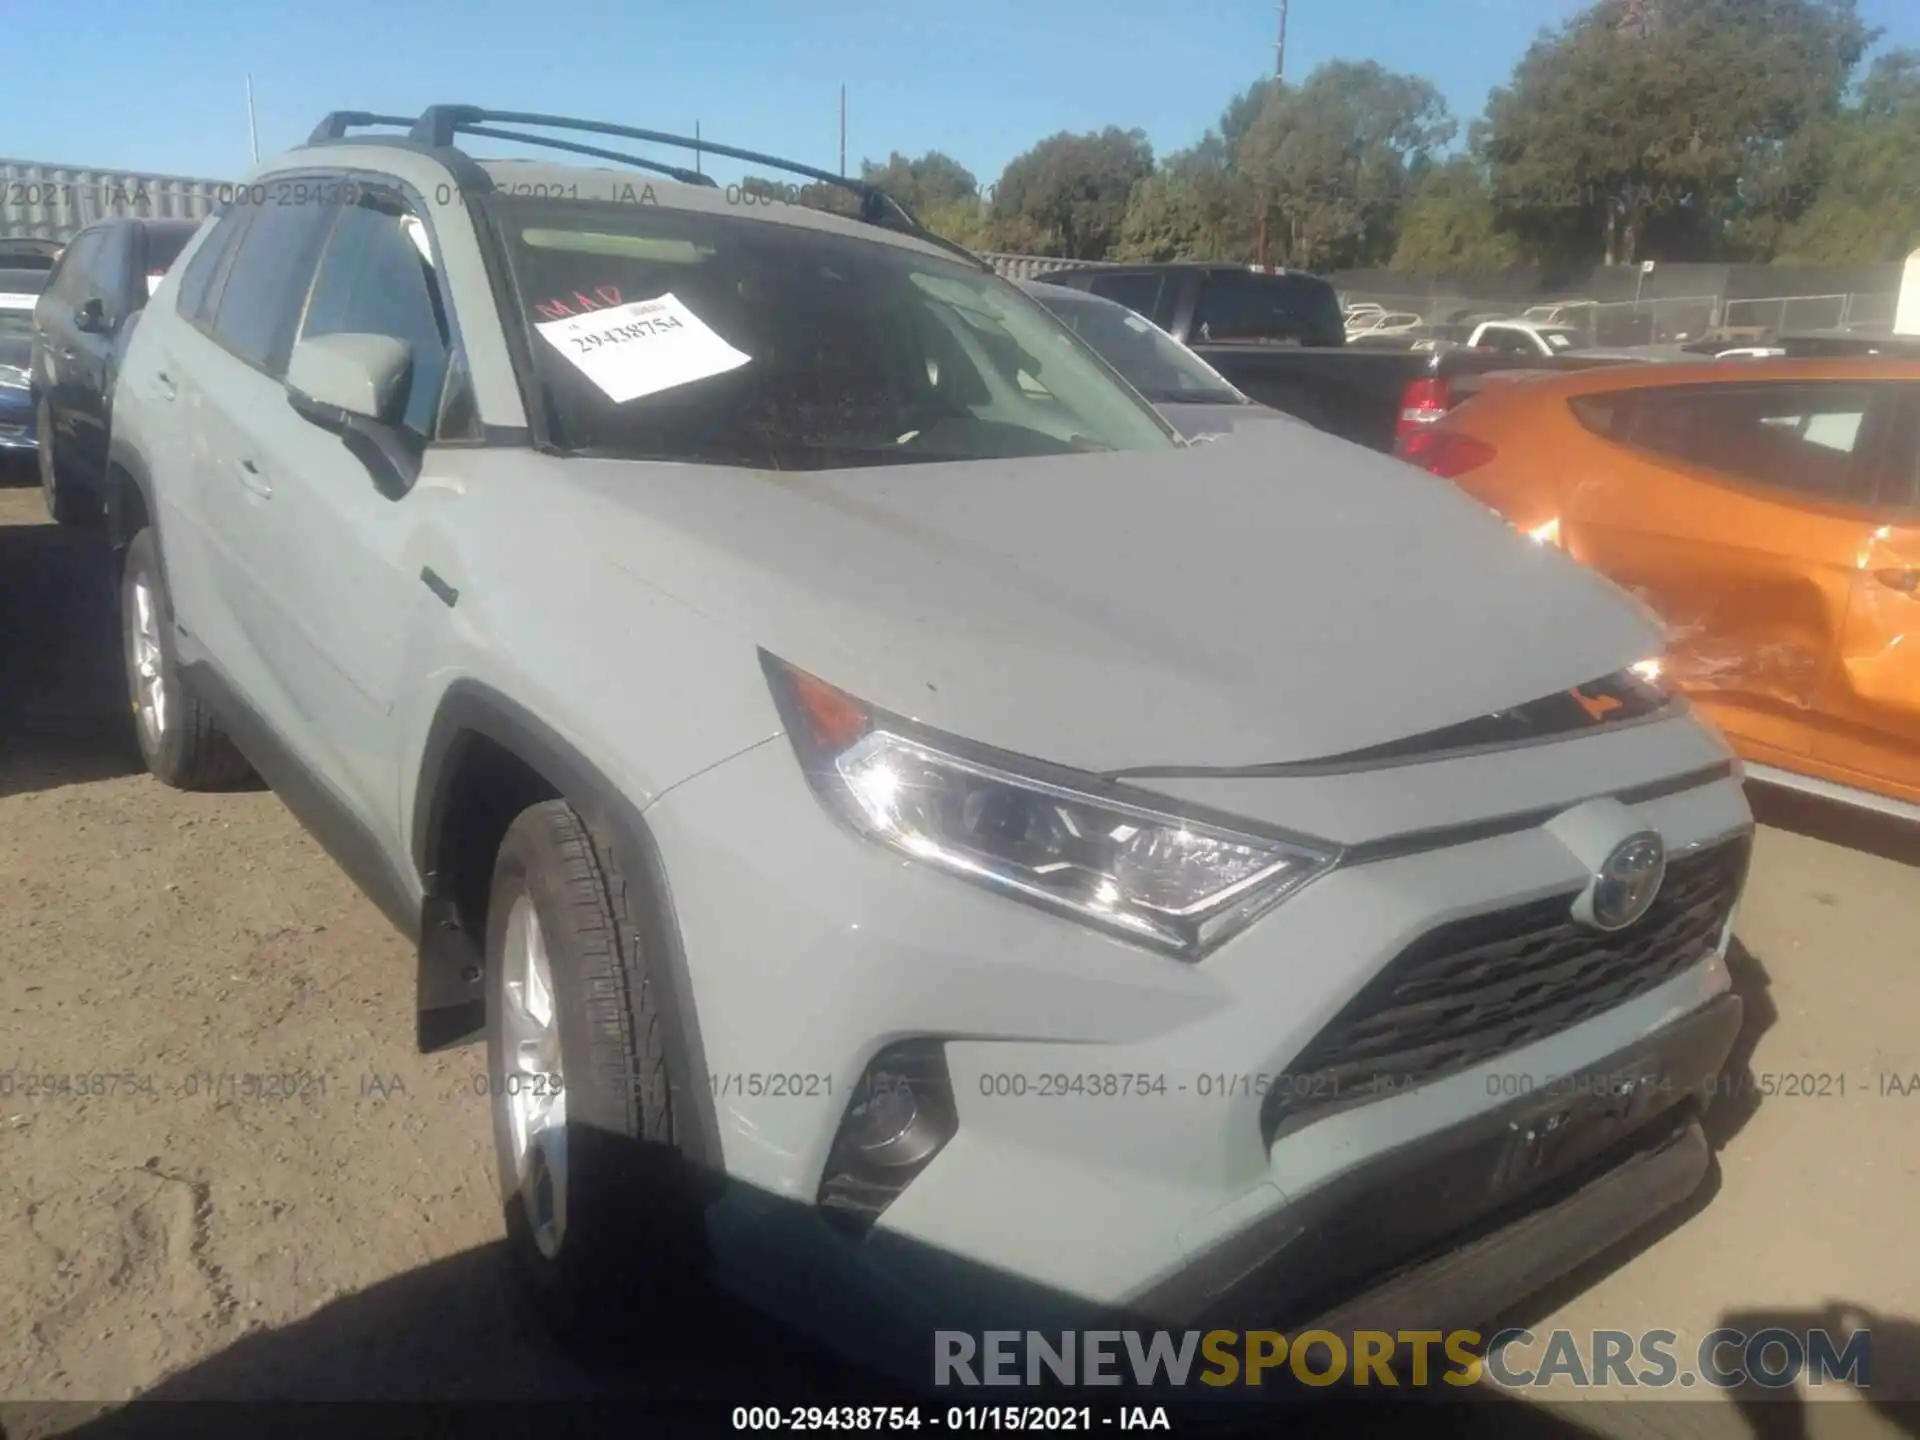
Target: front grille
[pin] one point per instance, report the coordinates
(1489, 984)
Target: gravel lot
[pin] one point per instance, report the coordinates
(339, 1242)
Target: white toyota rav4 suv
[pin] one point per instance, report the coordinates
(909, 827)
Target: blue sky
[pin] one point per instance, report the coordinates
(161, 86)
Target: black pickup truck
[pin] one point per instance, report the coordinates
(1280, 337)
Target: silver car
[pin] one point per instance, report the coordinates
(913, 835)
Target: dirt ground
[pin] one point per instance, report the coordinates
(175, 1230)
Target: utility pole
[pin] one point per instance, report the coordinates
(253, 129)
(843, 130)
(696, 149)
(1280, 49)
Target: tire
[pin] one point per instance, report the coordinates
(65, 504)
(179, 741)
(631, 1228)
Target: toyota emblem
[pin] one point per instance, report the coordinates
(1624, 887)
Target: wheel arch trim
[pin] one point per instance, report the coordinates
(471, 708)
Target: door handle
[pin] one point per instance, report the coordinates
(165, 382)
(1906, 582)
(251, 477)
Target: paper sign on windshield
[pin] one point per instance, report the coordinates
(642, 347)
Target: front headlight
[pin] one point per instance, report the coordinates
(13, 377)
(1178, 883)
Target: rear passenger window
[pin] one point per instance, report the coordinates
(377, 277)
(1828, 440)
(1139, 293)
(1246, 307)
(197, 280)
(70, 281)
(266, 286)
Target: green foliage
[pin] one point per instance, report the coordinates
(1669, 129)
(1450, 225)
(1330, 161)
(1068, 195)
(1640, 114)
(1869, 207)
(928, 183)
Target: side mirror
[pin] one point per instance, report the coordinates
(356, 385)
(90, 318)
(333, 380)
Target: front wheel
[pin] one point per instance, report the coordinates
(600, 1207)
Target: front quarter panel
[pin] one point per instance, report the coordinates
(551, 616)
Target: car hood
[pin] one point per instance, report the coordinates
(1274, 595)
(1194, 421)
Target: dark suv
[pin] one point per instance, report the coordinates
(80, 326)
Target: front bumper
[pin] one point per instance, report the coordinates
(1066, 1201)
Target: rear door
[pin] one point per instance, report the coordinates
(107, 276)
(1739, 512)
(1867, 729)
(54, 334)
(238, 369)
(163, 398)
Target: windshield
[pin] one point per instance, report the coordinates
(668, 334)
(1149, 359)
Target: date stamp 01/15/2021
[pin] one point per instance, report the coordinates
(32, 1084)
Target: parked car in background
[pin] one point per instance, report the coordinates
(799, 703)
(1290, 348)
(81, 324)
(24, 267)
(1195, 397)
(1221, 304)
(1537, 340)
(1769, 511)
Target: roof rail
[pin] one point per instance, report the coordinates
(676, 172)
(441, 125)
(340, 121)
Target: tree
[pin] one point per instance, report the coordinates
(1647, 113)
(1330, 160)
(1450, 225)
(963, 221)
(1868, 208)
(927, 183)
(1068, 195)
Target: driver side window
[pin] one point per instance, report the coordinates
(377, 277)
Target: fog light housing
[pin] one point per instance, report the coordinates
(900, 1117)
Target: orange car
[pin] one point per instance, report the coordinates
(1768, 510)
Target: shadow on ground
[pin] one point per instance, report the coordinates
(452, 1334)
(1889, 1381)
(1844, 825)
(64, 716)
